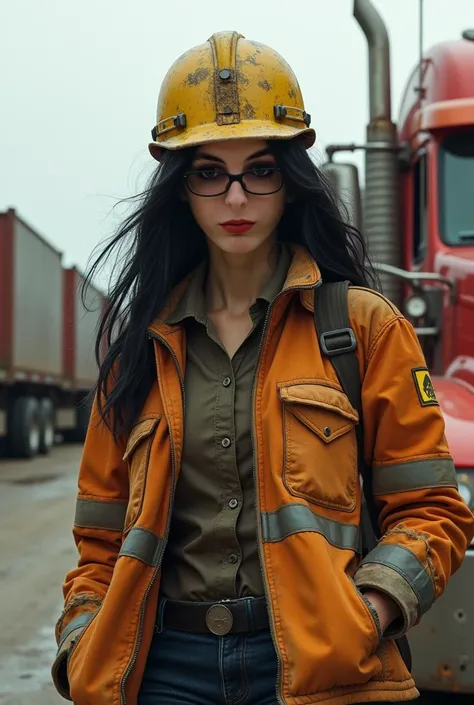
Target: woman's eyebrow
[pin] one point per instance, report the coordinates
(262, 153)
(210, 157)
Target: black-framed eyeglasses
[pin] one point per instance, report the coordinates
(259, 181)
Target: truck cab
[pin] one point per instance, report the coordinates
(418, 216)
(436, 135)
(436, 140)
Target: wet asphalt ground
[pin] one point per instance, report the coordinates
(37, 501)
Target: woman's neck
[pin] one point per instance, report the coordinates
(234, 281)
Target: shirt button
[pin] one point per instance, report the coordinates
(233, 503)
(226, 381)
(233, 558)
(225, 442)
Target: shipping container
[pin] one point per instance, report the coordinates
(47, 361)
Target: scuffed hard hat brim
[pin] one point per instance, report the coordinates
(246, 129)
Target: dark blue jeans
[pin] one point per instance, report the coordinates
(203, 669)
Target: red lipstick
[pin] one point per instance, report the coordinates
(237, 227)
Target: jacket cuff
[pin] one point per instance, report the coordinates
(59, 668)
(389, 581)
(67, 641)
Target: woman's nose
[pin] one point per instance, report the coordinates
(236, 195)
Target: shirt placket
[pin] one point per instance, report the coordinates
(231, 497)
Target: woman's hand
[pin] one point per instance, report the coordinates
(386, 608)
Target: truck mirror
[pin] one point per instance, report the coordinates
(344, 178)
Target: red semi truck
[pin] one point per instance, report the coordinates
(47, 364)
(418, 216)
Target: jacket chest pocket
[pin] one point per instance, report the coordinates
(137, 455)
(320, 445)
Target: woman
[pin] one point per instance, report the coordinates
(219, 503)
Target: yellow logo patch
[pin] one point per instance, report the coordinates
(424, 387)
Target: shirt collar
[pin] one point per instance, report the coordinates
(193, 303)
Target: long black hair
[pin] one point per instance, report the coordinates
(160, 243)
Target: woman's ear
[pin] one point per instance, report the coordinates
(290, 197)
(183, 194)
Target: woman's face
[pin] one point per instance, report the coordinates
(236, 222)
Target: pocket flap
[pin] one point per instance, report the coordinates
(325, 410)
(141, 430)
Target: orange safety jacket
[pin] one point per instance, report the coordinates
(308, 497)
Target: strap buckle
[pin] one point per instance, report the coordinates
(330, 348)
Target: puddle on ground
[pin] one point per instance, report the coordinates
(31, 480)
(43, 487)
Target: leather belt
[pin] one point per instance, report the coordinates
(220, 618)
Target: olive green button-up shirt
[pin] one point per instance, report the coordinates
(212, 549)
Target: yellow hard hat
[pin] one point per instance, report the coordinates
(229, 88)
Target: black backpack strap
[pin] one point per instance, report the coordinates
(338, 342)
(336, 337)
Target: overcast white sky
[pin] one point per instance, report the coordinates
(79, 83)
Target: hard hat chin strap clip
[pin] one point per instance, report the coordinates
(165, 126)
(285, 111)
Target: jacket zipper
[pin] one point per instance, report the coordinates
(133, 660)
(279, 695)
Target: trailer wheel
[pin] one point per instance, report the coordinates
(46, 426)
(25, 430)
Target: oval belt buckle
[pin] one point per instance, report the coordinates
(219, 620)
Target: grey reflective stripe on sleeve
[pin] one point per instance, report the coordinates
(81, 621)
(417, 475)
(406, 564)
(296, 518)
(92, 514)
(143, 545)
